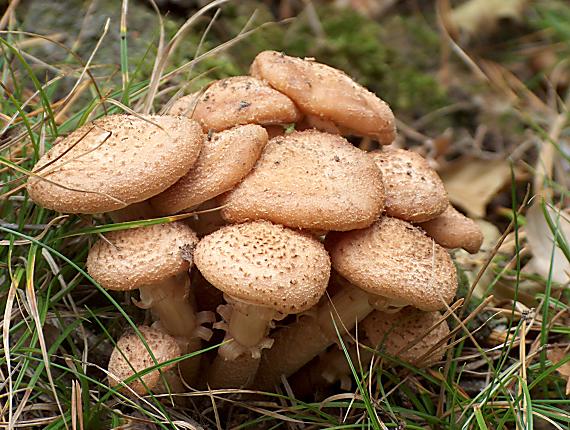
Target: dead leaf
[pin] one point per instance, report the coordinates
(472, 183)
(556, 355)
(540, 241)
(482, 17)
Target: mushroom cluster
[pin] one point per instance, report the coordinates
(297, 234)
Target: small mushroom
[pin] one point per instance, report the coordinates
(397, 261)
(310, 180)
(115, 161)
(452, 229)
(239, 100)
(130, 357)
(411, 335)
(213, 174)
(156, 260)
(266, 272)
(327, 93)
(414, 191)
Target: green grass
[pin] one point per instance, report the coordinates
(59, 326)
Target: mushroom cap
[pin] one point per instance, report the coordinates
(136, 356)
(328, 93)
(185, 105)
(395, 331)
(452, 229)
(115, 161)
(213, 174)
(414, 191)
(242, 100)
(134, 258)
(396, 260)
(310, 180)
(264, 264)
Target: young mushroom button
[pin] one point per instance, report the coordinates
(414, 191)
(266, 272)
(131, 356)
(396, 261)
(212, 174)
(156, 260)
(328, 94)
(115, 161)
(310, 180)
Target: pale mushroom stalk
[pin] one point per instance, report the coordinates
(296, 345)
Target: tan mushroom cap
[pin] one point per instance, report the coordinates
(309, 180)
(242, 100)
(452, 229)
(214, 173)
(265, 264)
(414, 191)
(396, 260)
(115, 161)
(407, 335)
(136, 356)
(328, 93)
(134, 258)
(184, 105)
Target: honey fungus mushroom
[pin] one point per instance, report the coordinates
(452, 229)
(266, 272)
(327, 93)
(310, 180)
(115, 161)
(238, 100)
(155, 260)
(396, 261)
(414, 191)
(130, 356)
(212, 174)
(413, 336)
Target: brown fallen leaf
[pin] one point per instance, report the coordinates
(472, 183)
(482, 17)
(556, 355)
(540, 241)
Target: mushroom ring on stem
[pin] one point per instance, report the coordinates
(156, 260)
(266, 272)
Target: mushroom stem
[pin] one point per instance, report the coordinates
(297, 344)
(249, 324)
(238, 373)
(172, 304)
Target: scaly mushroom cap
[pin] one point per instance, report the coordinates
(130, 259)
(212, 174)
(328, 93)
(452, 229)
(115, 161)
(136, 356)
(309, 180)
(396, 260)
(414, 191)
(242, 100)
(265, 264)
(397, 334)
(185, 105)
